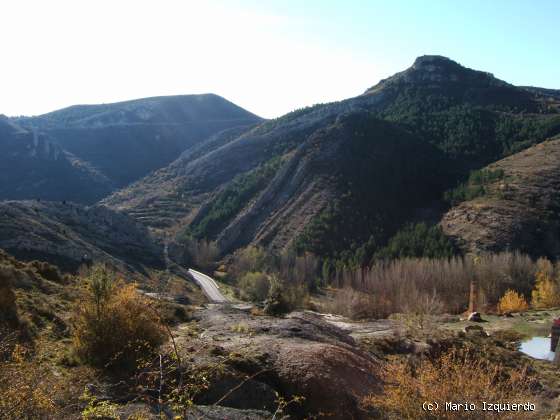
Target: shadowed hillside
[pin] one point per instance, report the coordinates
(64, 233)
(124, 141)
(33, 165)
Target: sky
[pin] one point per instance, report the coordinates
(269, 57)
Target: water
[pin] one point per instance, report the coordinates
(538, 348)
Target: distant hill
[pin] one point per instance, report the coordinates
(63, 233)
(333, 177)
(124, 141)
(32, 165)
(518, 209)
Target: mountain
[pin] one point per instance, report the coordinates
(32, 165)
(119, 143)
(517, 208)
(64, 233)
(334, 177)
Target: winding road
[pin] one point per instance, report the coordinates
(209, 286)
(206, 283)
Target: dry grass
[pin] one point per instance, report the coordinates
(458, 376)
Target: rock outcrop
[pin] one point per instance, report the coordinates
(301, 355)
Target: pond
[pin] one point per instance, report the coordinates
(538, 348)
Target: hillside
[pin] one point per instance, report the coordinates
(518, 210)
(330, 177)
(33, 165)
(63, 233)
(124, 141)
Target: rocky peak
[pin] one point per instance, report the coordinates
(430, 63)
(437, 69)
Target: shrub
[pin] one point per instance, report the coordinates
(8, 309)
(284, 297)
(546, 293)
(114, 326)
(254, 286)
(48, 271)
(26, 387)
(355, 304)
(248, 259)
(420, 308)
(512, 302)
(458, 375)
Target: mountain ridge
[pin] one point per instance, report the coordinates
(469, 118)
(122, 142)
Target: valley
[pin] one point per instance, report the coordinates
(181, 257)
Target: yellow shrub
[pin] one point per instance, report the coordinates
(25, 387)
(456, 376)
(512, 301)
(114, 326)
(546, 293)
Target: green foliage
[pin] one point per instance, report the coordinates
(474, 187)
(418, 240)
(471, 131)
(231, 200)
(254, 286)
(284, 297)
(382, 172)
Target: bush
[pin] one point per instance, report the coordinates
(546, 293)
(8, 309)
(26, 387)
(456, 376)
(284, 297)
(114, 326)
(354, 304)
(48, 271)
(254, 286)
(512, 302)
(248, 259)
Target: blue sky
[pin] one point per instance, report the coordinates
(267, 56)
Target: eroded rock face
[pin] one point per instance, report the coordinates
(300, 355)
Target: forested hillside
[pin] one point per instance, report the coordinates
(341, 179)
